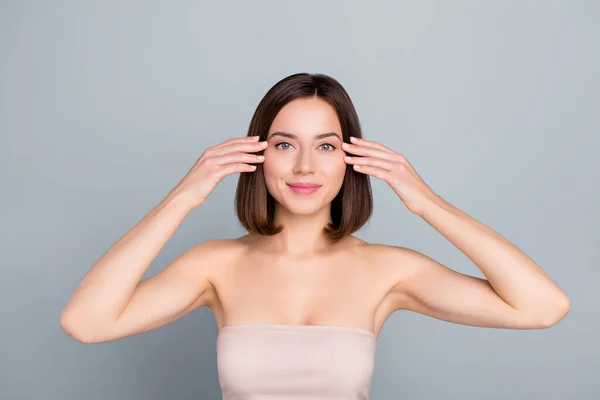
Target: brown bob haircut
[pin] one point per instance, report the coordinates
(352, 206)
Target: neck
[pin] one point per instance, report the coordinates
(302, 235)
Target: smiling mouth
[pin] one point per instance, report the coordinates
(304, 188)
(304, 185)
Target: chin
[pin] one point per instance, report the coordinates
(303, 204)
(303, 209)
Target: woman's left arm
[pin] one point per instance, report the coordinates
(513, 275)
(517, 293)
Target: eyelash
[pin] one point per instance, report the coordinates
(324, 144)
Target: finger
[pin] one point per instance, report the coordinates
(236, 167)
(370, 161)
(370, 143)
(374, 171)
(239, 158)
(367, 151)
(245, 147)
(245, 139)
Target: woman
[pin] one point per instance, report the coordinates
(299, 298)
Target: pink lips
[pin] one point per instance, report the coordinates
(304, 188)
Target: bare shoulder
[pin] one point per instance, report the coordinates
(217, 246)
(384, 254)
(220, 251)
(396, 254)
(394, 263)
(221, 254)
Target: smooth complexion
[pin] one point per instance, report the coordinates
(304, 147)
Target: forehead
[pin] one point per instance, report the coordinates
(308, 116)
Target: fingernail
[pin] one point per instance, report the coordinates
(352, 138)
(345, 145)
(261, 157)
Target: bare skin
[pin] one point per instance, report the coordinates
(343, 286)
(295, 277)
(299, 277)
(112, 301)
(242, 283)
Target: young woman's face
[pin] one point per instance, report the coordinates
(305, 147)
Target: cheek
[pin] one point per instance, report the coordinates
(334, 168)
(274, 167)
(277, 163)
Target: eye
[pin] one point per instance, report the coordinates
(286, 146)
(279, 146)
(331, 147)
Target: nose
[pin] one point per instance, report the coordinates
(304, 163)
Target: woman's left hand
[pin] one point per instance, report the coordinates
(392, 167)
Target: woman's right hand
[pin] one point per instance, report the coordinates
(214, 164)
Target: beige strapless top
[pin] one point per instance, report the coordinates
(272, 361)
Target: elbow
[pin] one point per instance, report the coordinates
(555, 313)
(70, 326)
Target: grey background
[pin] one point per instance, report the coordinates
(104, 106)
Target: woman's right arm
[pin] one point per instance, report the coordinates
(112, 302)
(95, 310)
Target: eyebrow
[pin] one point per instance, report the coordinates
(317, 137)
